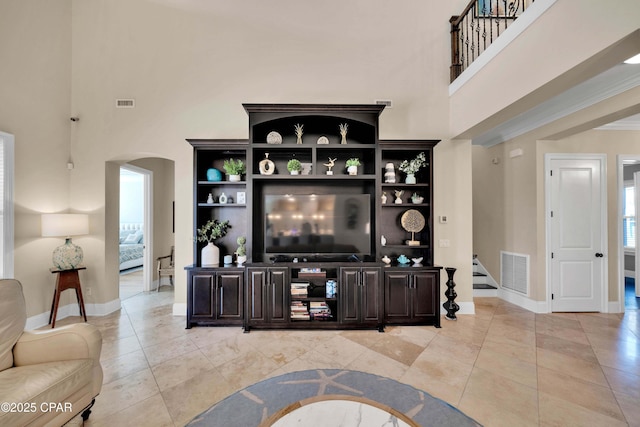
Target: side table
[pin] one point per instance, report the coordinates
(67, 279)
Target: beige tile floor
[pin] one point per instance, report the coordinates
(503, 366)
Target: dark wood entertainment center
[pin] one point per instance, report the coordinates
(288, 285)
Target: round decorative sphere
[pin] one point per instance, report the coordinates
(214, 174)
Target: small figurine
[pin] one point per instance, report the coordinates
(384, 197)
(386, 260)
(383, 241)
(343, 132)
(399, 194)
(389, 173)
(210, 199)
(298, 130)
(332, 163)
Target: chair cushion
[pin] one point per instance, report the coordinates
(42, 383)
(13, 318)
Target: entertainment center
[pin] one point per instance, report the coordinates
(325, 248)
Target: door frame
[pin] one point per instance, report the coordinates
(602, 158)
(621, 158)
(147, 270)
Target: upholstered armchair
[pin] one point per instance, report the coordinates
(46, 377)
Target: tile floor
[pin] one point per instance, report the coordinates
(503, 366)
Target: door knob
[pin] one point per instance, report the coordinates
(599, 255)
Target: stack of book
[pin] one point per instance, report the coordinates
(319, 310)
(299, 311)
(299, 290)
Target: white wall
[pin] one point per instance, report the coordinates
(131, 197)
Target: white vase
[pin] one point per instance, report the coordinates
(353, 170)
(410, 179)
(241, 259)
(294, 172)
(234, 178)
(210, 256)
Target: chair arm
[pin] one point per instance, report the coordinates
(71, 342)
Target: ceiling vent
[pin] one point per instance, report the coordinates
(125, 103)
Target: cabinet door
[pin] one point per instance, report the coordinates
(256, 294)
(426, 295)
(397, 296)
(278, 292)
(348, 295)
(202, 301)
(370, 294)
(229, 290)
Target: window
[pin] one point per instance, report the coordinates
(6, 205)
(629, 216)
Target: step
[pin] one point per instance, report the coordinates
(479, 278)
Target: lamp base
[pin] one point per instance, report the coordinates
(67, 256)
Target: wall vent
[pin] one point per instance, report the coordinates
(514, 272)
(386, 102)
(125, 103)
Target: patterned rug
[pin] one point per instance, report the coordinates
(264, 401)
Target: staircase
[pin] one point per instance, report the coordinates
(483, 283)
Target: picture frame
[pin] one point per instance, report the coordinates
(500, 8)
(241, 197)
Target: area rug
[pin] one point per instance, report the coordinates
(258, 403)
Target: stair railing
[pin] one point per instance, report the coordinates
(477, 27)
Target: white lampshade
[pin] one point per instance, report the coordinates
(64, 225)
(67, 256)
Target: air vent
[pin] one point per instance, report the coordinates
(125, 103)
(386, 102)
(514, 272)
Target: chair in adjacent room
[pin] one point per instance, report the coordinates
(165, 268)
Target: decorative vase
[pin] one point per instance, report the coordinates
(210, 199)
(210, 256)
(295, 172)
(241, 260)
(67, 256)
(352, 170)
(410, 179)
(234, 178)
(389, 173)
(450, 305)
(222, 199)
(214, 174)
(266, 166)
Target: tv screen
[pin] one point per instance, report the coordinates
(338, 224)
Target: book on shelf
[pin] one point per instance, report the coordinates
(299, 289)
(299, 311)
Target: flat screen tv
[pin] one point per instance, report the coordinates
(324, 224)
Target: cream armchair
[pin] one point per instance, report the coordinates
(46, 377)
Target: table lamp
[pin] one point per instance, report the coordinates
(67, 256)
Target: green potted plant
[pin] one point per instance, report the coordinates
(294, 166)
(411, 167)
(352, 165)
(209, 233)
(234, 168)
(241, 252)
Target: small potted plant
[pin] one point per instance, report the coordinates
(234, 168)
(416, 198)
(294, 166)
(411, 167)
(209, 233)
(241, 252)
(352, 166)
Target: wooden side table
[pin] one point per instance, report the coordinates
(67, 279)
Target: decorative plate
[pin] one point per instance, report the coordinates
(274, 137)
(412, 221)
(323, 140)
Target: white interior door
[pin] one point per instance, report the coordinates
(636, 185)
(577, 234)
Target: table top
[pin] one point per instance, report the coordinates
(57, 270)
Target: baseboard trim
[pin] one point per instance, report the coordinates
(523, 301)
(72, 309)
(615, 307)
(179, 309)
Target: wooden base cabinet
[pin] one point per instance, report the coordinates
(215, 296)
(267, 297)
(360, 297)
(412, 297)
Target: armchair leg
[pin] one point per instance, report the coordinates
(87, 412)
